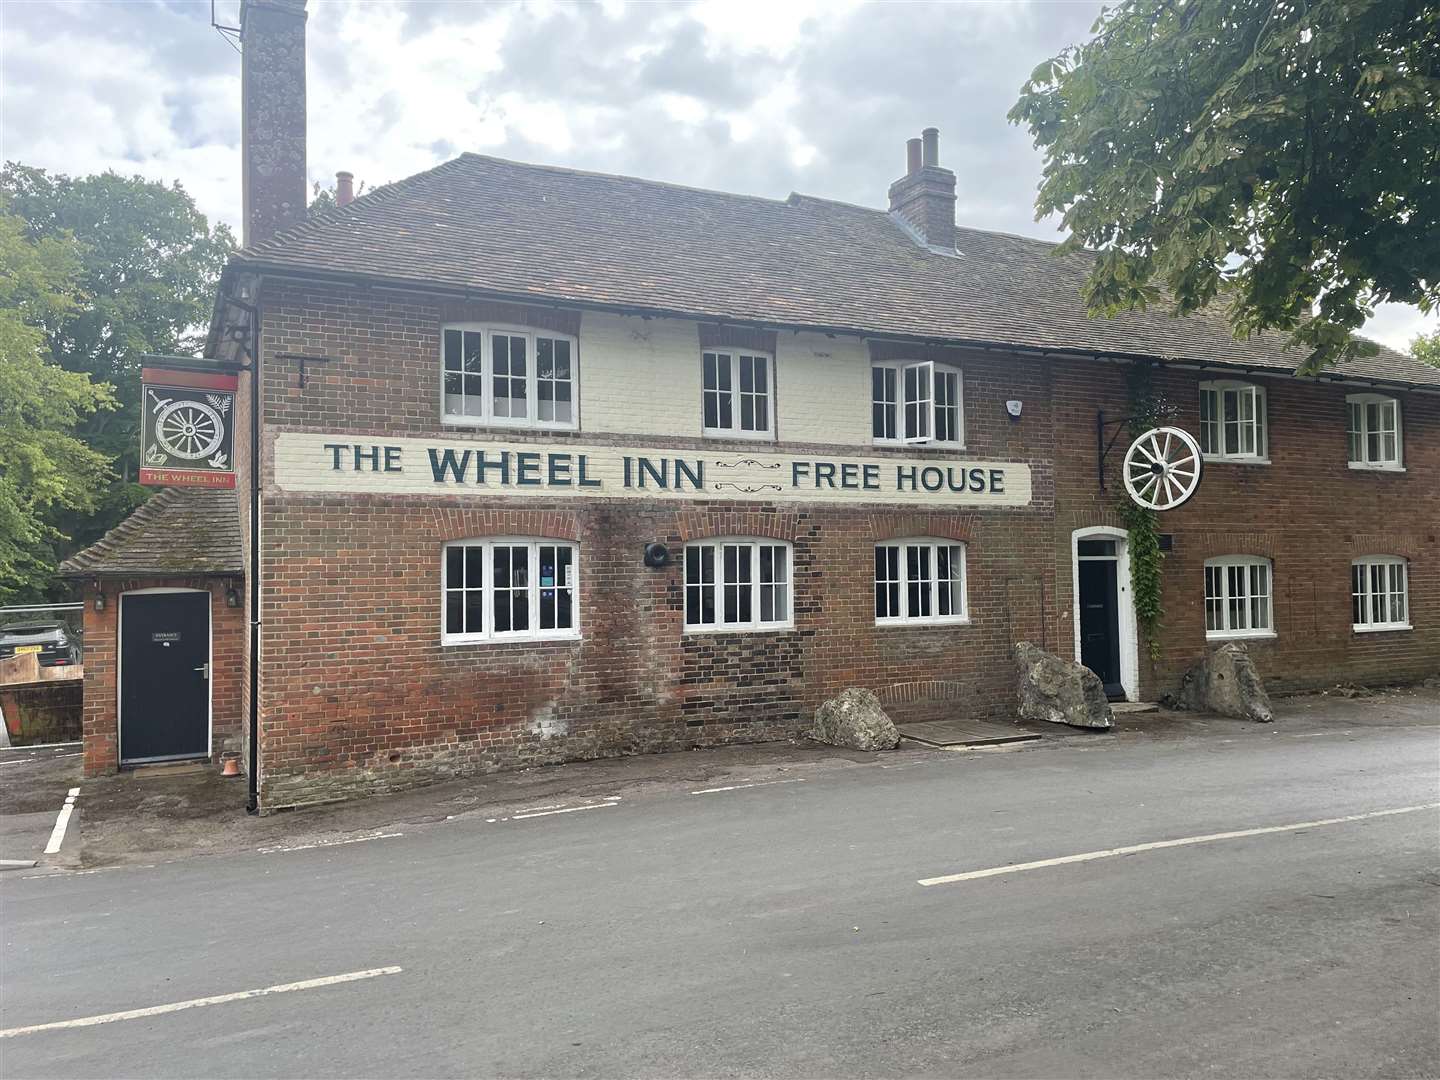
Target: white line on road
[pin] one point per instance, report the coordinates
(567, 810)
(37, 760)
(327, 843)
(737, 787)
(1089, 856)
(195, 1003)
(57, 835)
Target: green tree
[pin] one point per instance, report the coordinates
(44, 466)
(149, 266)
(1281, 154)
(1426, 348)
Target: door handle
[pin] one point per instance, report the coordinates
(206, 669)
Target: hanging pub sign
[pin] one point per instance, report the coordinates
(186, 436)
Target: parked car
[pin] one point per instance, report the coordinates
(51, 640)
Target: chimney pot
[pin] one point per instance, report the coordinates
(344, 188)
(931, 138)
(912, 156)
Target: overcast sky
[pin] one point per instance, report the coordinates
(763, 98)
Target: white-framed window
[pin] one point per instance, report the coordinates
(1380, 593)
(1237, 597)
(736, 583)
(736, 394)
(508, 376)
(509, 588)
(1233, 422)
(1374, 432)
(920, 581)
(917, 402)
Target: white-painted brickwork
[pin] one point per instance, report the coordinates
(642, 377)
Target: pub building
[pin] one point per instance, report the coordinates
(553, 465)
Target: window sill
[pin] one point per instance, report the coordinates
(508, 639)
(1242, 635)
(1366, 466)
(505, 425)
(749, 436)
(1381, 628)
(1216, 459)
(762, 628)
(897, 444)
(918, 624)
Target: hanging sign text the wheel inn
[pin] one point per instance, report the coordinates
(186, 428)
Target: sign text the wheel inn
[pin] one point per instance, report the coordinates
(187, 428)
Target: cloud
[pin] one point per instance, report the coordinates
(755, 96)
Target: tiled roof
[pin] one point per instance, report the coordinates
(178, 531)
(561, 235)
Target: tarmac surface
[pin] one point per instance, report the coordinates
(1253, 901)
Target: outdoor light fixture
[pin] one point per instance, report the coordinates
(656, 555)
(232, 595)
(1013, 407)
(99, 596)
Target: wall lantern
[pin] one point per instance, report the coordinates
(232, 595)
(99, 595)
(1013, 407)
(656, 555)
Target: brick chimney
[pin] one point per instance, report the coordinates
(924, 198)
(272, 116)
(344, 188)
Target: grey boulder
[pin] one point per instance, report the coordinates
(1060, 691)
(1226, 682)
(855, 720)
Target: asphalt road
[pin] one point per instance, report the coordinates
(781, 930)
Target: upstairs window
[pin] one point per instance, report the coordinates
(1232, 422)
(920, 581)
(510, 377)
(737, 585)
(1374, 431)
(916, 403)
(1237, 598)
(509, 589)
(735, 399)
(1380, 593)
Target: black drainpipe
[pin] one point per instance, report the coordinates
(252, 803)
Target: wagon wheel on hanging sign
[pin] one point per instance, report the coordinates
(1162, 468)
(189, 430)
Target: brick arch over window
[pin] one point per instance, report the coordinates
(1409, 546)
(461, 523)
(721, 336)
(905, 526)
(768, 525)
(559, 320)
(1212, 545)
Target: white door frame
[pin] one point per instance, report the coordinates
(1129, 633)
(209, 681)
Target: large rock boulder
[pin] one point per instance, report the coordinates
(1226, 682)
(854, 719)
(1060, 691)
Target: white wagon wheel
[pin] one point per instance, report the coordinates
(1162, 468)
(189, 429)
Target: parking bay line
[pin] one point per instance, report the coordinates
(758, 783)
(195, 1003)
(1157, 845)
(62, 822)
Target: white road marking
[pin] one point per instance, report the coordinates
(1157, 845)
(327, 843)
(567, 810)
(195, 1003)
(758, 783)
(62, 822)
(37, 760)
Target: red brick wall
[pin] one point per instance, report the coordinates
(101, 731)
(359, 694)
